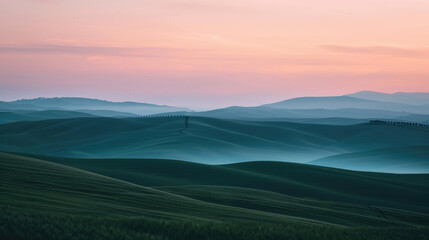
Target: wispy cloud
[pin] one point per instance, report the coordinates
(144, 52)
(97, 52)
(42, 1)
(380, 50)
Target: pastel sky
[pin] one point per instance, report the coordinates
(205, 53)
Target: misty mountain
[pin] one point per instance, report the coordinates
(340, 102)
(400, 97)
(83, 104)
(397, 160)
(422, 95)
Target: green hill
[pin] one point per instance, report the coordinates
(399, 160)
(45, 200)
(16, 116)
(300, 180)
(207, 140)
(49, 187)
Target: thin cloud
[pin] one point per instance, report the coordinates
(160, 53)
(98, 52)
(143, 52)
(380, 50)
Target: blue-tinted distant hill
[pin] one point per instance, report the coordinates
(420, 118)
(267, 113)
(22, 115)
(399, 97)
(87, 104)
(397, 160)
(340, 102)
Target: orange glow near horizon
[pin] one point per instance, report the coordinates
(204, 53)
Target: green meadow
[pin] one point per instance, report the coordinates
(59, 198)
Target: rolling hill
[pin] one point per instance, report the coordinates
(87, 104)
(266, 113)
(42, 199)
(398, 160)
(300, 180)
(36, 193)
(41, 184)
(207, 140)
(407, 98)
(340, 102)
(17, 116)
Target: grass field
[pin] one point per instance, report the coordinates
(405, 191)
(46, 200)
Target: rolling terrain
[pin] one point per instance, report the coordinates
(398, 160)
(88, 105)
(341, 102)
(275, 171)
(300, 180)
(206, 140)
(399, 97)
(17, 116)
(261, 113)
(42, 199)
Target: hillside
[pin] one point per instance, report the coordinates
(206, 140)
(299, 180)
(260, 113)
(62, 189)
(8, 117)
(87, 104)
(71, 202)
(398, 160)
(339, 102)
(53, 201)
(407, 98)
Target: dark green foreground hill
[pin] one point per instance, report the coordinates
(405, 191)
(262, 200)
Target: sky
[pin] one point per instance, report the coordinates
(207, 54)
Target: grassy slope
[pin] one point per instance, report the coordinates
(47, 187)
(16, 116)
(406, 159)
(43, 200)
(207, 140)
(333, 212)
(300, 180)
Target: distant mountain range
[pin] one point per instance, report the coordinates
(347, 109)
(400, 97)
(88, 105)
(342, 102)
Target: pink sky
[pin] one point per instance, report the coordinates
(204, 54)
